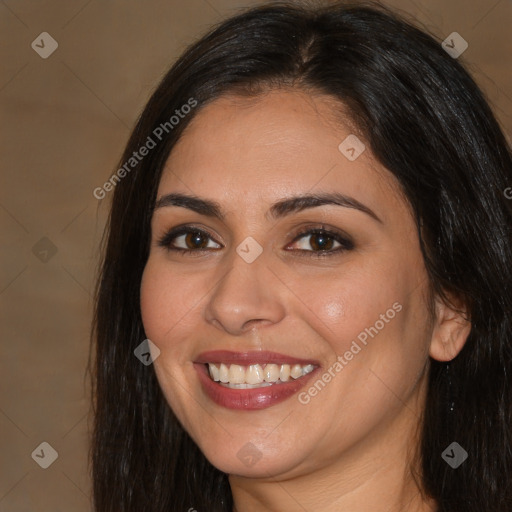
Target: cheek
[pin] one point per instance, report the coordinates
(349, 305)
(374, 318)
(374, 329)
(167, 304)
(152, 303)
(332, 310)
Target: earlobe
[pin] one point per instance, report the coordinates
(450, 331)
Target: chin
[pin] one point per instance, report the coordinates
(250, 462)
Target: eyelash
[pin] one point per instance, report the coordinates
(345, 243)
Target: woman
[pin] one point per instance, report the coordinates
(311, 244)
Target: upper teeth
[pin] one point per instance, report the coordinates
(257, 374)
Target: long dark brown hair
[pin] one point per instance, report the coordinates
(428, 123)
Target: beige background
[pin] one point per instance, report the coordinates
(64, 121)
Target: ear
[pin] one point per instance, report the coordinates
(450, 330)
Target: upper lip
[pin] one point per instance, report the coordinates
(251, 357)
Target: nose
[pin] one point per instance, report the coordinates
(247, 295)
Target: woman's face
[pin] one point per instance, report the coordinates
(347, 306)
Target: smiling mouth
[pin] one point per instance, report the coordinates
(252, 380)
(253, 376)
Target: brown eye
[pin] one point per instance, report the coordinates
(322, 242)
(190, 239)
(195, 240)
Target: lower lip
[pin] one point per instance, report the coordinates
(249, 399)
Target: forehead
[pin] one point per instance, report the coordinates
(258, 150)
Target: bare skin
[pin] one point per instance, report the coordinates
(351, 445)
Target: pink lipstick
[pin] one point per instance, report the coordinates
(255, 395)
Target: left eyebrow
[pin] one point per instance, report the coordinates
(299, 203)
(278, 210)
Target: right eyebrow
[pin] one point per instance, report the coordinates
(204, 207)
